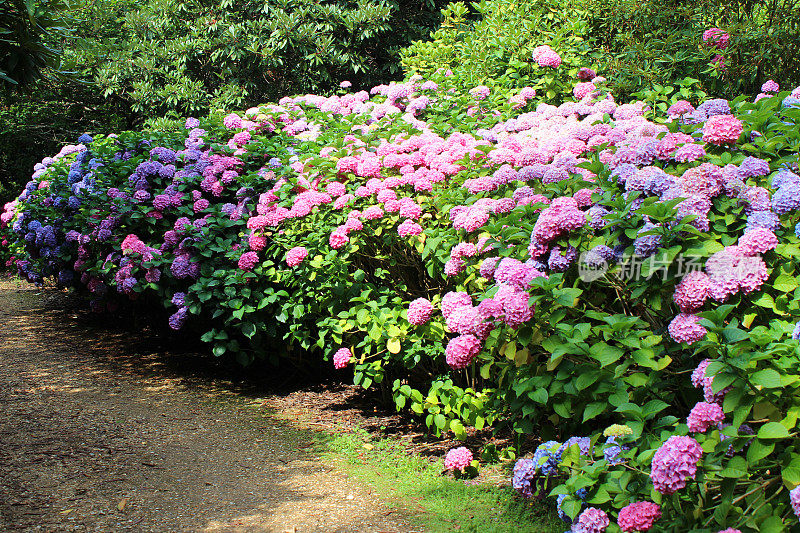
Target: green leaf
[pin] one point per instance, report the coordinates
(773, 430)
(736, 468)
(767, 378)
(605, 354)
(785, 283)
(593, 409)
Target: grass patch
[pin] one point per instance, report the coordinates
(434, 501)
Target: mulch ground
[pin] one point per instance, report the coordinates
(106, 427)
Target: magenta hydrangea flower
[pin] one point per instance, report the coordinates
(592, 520)
(464, 320)
(296, 255)
(716, 37)
(729, 530)
(703, 416)
(338, 238)
(453, 300)
(638, 516)
(675, 462)
(458, 459)
(420, 311)
(722, 129)
(341, 358)
(409, 228)
(692, 291)
(685, 328)
(248, 261)
(462, 350)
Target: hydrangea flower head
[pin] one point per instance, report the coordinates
(794, 499)
(341, 358)
(296, 255)
(617, 430)
(524, 476)
(638, 516)
(685, 328)
(592, 520)
(461, 351)
(458, 459)
(722, 129)
(675, 462)
(716, 37)
(705, 415)
(692, 291)
(547, 457)
(248, 261)
(420, 311)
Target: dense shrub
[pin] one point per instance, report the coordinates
(635, 44)
(497, 259)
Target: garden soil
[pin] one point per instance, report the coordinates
(98, 433)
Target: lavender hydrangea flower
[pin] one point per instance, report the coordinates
(523, 477)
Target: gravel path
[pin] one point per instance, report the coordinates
(97, 435)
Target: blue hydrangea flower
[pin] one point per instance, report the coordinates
(715, 106)
(561, 514)
(763, 219)
(796, 332)
(647, 245)
(584, 443)
(547, 457)
(787, 198)
(85, 139)
(612, 453)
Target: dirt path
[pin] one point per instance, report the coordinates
(97, 437)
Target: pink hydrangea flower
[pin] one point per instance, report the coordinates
(638, 516)
(681, 107)
(453, 300)
(419, 311)
(685, 328)
(757, 241)
(592, 520)
(729, 530)
(248, 261)
(296, 255)
(461, 351)
(341, 358)
(338, 238)
(722, 129)
(464, 320)
(409, 228)
(703, 416)
(770, 86)
(675, 462)
(481, 92)
(458, 459)
(549, 58)
(692, 291)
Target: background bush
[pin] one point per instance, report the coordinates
(634, 44)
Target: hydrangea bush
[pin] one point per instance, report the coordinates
(616, 280)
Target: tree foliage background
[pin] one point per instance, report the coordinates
(107, 65)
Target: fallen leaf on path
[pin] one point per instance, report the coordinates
(122, 503)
